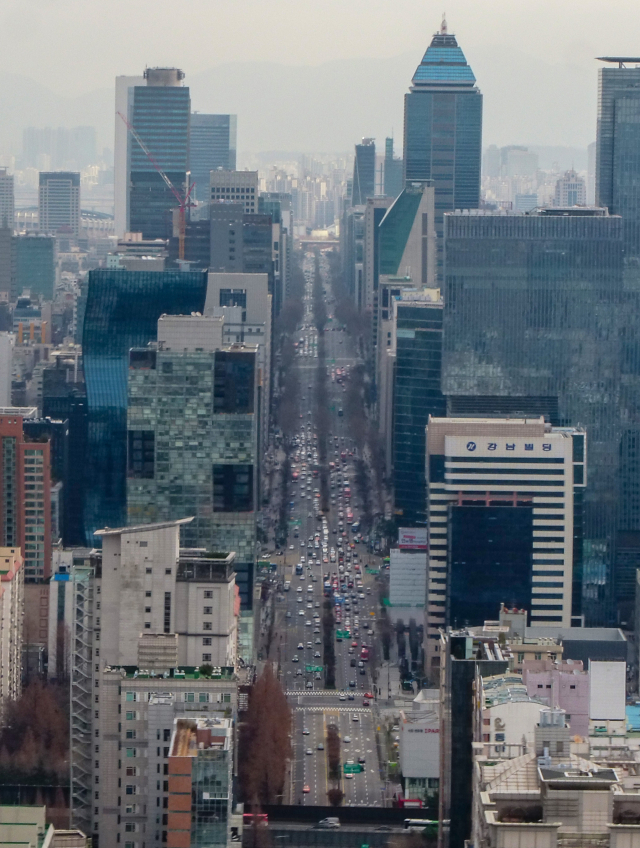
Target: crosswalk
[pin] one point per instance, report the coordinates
(322, 693)
(339, 709)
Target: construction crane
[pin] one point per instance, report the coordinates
(183, 202)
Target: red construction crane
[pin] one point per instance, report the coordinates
(183, 202)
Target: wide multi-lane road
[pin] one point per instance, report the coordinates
(326, 546)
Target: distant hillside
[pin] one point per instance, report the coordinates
(331, 106)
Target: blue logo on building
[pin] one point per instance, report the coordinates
(471, 446)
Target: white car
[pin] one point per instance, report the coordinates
(299, 589)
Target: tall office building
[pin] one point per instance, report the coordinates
(537, 322)
(364, 172)
(375, 210)
(122, 312)
(443, 129)
(501, 522)
(571, 190)
(7, 199)
(618, 146)
(124, 85)
(59, 202)
(212, 146)
(226, 236)
(393, 168)
(155, 630)
(159, 112)
(11, 625)
(192, 438)
(417, 395)
(34, 265)
(235, 187)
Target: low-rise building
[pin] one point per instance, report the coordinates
(420, 746)
(562, 684)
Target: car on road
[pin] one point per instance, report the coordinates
(308, 751)
(300, 646)
(295, 658)
(342, 696)
(307, 623)
(305, 731)
(351, 696)
(361, 760)
(354, 717)
(300, 612)
(329, 823)
(320, 746)
(346, 739)
(309, 685)
(368, 694)
(352, 683)
(306, 789)
(317, 654)
(348, 776)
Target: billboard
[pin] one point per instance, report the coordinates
(412, 538)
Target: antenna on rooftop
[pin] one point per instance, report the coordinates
(443, 25)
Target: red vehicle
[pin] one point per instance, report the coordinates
(347, 492)
(364, 654)
(343, 456)
(258, 818)
(368, 695)
(365, 702)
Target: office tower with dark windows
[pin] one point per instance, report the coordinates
(503, 522)
(122, 311)
(212, 146)
(124, 84)
(417, 395)
(618, 146)
(59, 202)
(235, 187)
(538, 322)
(34, 265)
(364, 172)
(443, 129)
(159, 113)
(192, 438)
(393, 168)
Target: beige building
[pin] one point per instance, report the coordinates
(11, 624)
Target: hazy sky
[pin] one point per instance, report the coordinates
(76, 46)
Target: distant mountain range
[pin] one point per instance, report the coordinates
(329, 107)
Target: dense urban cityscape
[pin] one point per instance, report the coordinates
(320, 479)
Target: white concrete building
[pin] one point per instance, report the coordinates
(420, 746)
(237, 187)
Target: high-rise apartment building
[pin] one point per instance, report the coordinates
(212, 146)
(417, 395)
(7, 199)
(364, 172)
(11, 624)
(25, 494)
(503, 521)
(192, 438)
(618, 146)
(537, 322)
(122, 311)
(237, 187)
(124, 86)
(59, 202)
(443, 129)
(571, 190)
(159, 113)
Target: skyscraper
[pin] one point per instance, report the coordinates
(159, 112)
(59, 202)
(7, 199)
(571, 190)
(537, 322)
(124, 86)
(443, 128)
(392, 170)
(364, 172)
(122, 312)
(618, 146)
(212, 145)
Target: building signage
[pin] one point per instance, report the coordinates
(412, 538)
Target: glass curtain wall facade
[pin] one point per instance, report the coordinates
(443, 129)
(364, 172)
(192, 448)
(538, 321)
(160, 115)
(122, 312)
(618, 150)
(417, 395)
(212, 145)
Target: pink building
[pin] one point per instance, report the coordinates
(561, 684)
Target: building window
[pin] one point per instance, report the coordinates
(141, 454)
(132, 752)
(232, 488)
(131, 696)
(130, 789)
(208, 611)
(130, 734)
(208, 593)
(206, 640)
(207, 625)
(203, 697)
(206, 658)
(131, 771)
(189, 697)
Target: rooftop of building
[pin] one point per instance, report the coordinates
(186, 672)
(192, 735)
(538, 212)
(444, 63)
(523, 776)
(505, 688)
(142, 528)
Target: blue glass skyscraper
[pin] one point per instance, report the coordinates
(122, 312)
(618, 146)
(159, 112)
(443, 129)
(212, 145)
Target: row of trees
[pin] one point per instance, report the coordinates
(328, 622)
(265, 742)
(34, 739)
